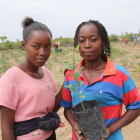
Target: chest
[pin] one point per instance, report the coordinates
(37, 92)
(104, 90)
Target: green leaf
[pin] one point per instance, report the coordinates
(77, 57)
(79, 93)
(71, 87)
(70, 66)
(77, 75)
(83, 96)
(77, 47)
(81, 69)
(70, 74)
(80, 83)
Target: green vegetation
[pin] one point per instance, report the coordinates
(137, 56)
(76, 88)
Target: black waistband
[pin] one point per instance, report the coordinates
(50, 121)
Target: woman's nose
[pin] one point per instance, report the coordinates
(87, 43)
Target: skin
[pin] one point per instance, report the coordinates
(90, 48)
(38, 50)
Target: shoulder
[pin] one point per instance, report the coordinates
(47, 72)
(122, 70)
(69, 72)
(11, 73)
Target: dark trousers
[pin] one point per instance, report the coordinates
(52, 137)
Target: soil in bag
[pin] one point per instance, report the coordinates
(91, 121)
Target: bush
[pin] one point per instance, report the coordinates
(9, 45)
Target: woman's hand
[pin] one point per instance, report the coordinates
(108, 134)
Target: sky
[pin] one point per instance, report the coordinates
(63, 16)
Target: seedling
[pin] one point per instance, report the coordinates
(76, 88)
(68, 64)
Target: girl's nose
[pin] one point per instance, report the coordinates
(42, 51)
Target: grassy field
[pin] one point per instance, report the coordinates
(127, 55)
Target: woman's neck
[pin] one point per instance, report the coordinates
(95, 65)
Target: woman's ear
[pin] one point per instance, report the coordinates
(23, 45)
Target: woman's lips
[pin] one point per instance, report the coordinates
(88, 53)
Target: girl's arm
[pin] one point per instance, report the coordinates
(128, 117)
(7, 123)
(70, 118)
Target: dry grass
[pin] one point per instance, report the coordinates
(125, 55)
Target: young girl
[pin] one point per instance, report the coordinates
(27, 91)
(104, 81)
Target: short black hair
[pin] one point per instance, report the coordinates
(30, 25)
(104, 35)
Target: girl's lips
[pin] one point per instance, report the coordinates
(41, 60)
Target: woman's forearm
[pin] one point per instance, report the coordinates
(69, 116)
(128, 117)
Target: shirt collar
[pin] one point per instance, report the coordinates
(110, 68)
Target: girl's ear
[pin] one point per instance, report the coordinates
(23, 45)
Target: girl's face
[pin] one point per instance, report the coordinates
(38, 47)
(90, 42)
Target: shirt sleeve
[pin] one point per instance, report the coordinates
(66, 101)
(130, 94)
(9, 95)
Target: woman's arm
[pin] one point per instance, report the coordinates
(58, 100)
(128, 117)
(70, 118)
(7, 123)
(58, 97)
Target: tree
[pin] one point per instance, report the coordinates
(3, 38)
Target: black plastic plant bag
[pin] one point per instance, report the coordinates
(91, 121)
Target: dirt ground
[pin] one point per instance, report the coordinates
(127, 59)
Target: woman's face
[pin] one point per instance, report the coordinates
(38, 47)
(90, 42)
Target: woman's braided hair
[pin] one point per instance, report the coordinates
(104, 35)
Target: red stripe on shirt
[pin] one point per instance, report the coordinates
(67, 95)
(111, 112)
(129, 97)
(115, 79)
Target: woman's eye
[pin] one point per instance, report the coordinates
(81, 41)
(48, 47)
(37, 47)
(93, 39)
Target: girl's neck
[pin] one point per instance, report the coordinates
(95, 65)
(28, 67)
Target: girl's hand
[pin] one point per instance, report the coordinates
(78, 132)
(108, 134)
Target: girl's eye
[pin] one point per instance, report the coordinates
(37, 47)
(48, 47)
